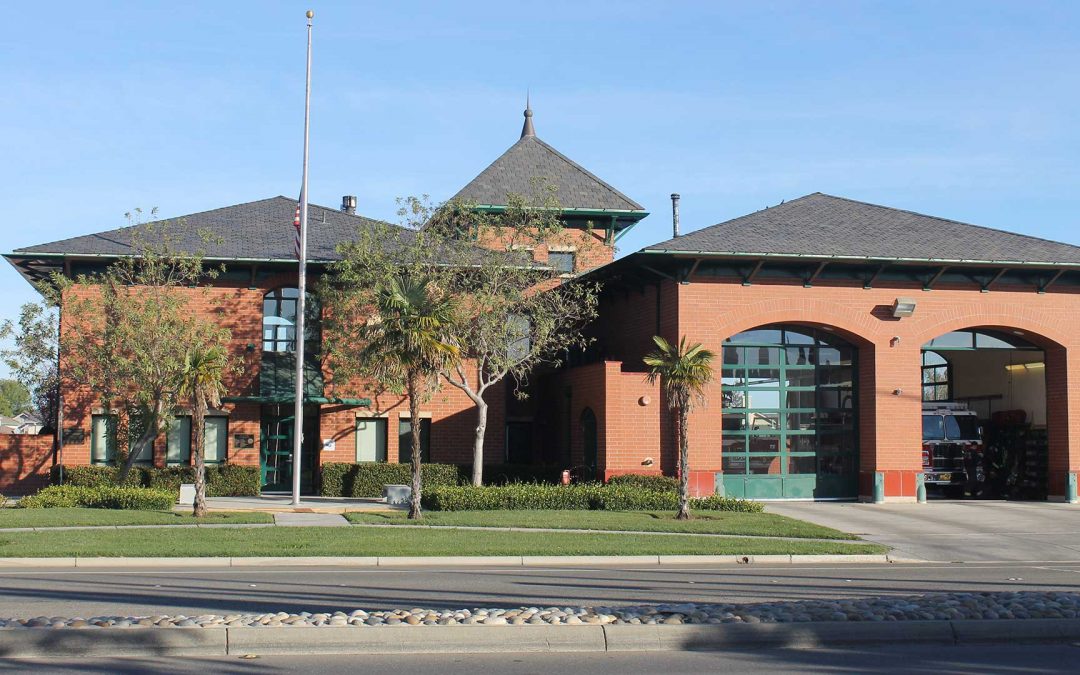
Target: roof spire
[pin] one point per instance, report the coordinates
(527, 128)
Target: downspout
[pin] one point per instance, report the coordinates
(58, 434)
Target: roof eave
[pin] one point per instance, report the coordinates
(824, 256)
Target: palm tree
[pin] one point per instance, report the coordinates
(684, 371)
(204, 369)
(407, 342)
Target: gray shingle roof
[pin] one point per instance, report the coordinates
(261, 230)
(531, 158)
(821, 225)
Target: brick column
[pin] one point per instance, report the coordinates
(890, 423)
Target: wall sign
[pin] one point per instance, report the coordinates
(243, 440)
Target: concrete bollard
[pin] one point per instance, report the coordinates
(879, 487)
(1070, 488)
(920, 487)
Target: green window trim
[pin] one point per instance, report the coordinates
(178, 443)
(215, 439)
(103, 439)
(371, 439)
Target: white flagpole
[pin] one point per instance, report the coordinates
(298, 415)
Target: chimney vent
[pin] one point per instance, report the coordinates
(348, 204)
(675, 213)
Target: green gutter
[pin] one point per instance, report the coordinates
(638, 215)
(819, 256)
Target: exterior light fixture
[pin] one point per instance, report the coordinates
(1022, 367)
(903, 307)
(648, 461)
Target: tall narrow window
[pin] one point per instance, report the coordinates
(519, 333)
(216, 439)
(405, 429)
(178, 445)
(371, 439)
(935, 377)
(103, 439)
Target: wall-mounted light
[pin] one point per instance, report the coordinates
(903, 307)
(1020, 367)
(894, 341)
(648, 461)
(898, 392)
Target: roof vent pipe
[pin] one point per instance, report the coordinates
(348, 204)
(675, 213)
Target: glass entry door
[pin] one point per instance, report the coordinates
(276, 448)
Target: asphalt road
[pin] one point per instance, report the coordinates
(193, 591)
(921, 659)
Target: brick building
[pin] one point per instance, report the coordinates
(834, 322)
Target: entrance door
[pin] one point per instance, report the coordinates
(588, 435)
(276, 448)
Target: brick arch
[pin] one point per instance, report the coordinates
(1053, 343)
(857, 328)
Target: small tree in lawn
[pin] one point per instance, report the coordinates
(127, 331)
(683, 372)
(388, 317)
(204, 369)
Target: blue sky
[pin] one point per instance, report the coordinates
(966, 110)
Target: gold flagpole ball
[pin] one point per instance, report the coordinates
(310, 14)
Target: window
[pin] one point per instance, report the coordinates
(371, 439)
(216, 431)
(563, 261)
(519, 334)
(103, 439)
(178, 442)
(279, 320)
(136, 428)
(405, 428)
(936, 384)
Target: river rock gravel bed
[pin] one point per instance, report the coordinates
(937, 606)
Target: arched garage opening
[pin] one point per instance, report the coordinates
(789, 407)
(985, 431)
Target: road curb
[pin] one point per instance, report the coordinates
(442, 561)
(152, 641)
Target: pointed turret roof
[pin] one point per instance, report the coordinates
(530, 159)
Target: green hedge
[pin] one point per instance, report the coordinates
(503, 474)
(100, 497)
(647, 482)
(581, 496)
(222, 480)
(368, 479)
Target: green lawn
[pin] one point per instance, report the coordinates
(366, 541)
(715, 522)
(71, 517)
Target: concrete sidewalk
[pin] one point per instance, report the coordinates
(282, 503)
(968, 531)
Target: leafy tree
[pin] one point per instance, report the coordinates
(205, 367)
(683, 371)
(389, 311)
(33, 358)
(517, 315)
(127, 332)
(14, 398)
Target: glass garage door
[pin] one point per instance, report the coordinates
(789, 415)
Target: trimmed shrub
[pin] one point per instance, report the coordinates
(580, 496)
(71, 496)
(367, 479)
(504, 474)
(222, 480)
(655, 482)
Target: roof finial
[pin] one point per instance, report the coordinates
(527, 128)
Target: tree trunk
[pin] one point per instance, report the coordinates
(198, 441)
(148, 437)
(414, 420)
(684, 468)
(478, 442)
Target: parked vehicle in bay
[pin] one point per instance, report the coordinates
(953, 451)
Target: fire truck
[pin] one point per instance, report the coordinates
(953, 451)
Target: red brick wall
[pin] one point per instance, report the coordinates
(25, 462)
(890, 428)
(588, 245)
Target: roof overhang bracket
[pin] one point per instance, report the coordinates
(997, 277)
(808, 282)
(929, 285)
(748, 280)
(690, 272)
(609, 234)
(658, 272)
(251, 280)
(869, 283)
(1051, 281)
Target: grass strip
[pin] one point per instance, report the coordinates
(321, 541)
(755, 524)
(70, 517)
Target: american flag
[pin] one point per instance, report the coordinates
(296, 224)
